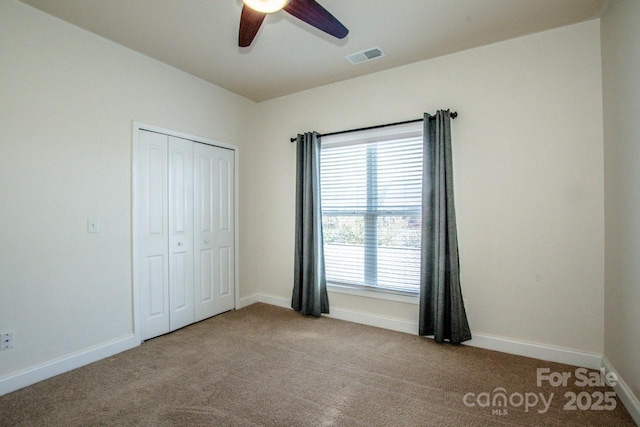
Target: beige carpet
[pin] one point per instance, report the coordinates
(267, 366)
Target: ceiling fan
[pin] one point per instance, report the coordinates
(309, 11)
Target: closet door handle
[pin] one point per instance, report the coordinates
(180, 243)
(206, 241)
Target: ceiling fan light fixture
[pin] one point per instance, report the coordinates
(266, 6)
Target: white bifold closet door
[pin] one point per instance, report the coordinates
(214, 235)
(185, 227)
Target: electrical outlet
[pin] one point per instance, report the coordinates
(7, 340)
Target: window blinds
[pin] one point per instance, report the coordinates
(371, 212)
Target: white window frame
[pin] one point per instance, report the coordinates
(409, 130)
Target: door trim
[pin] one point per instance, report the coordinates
(136, 128)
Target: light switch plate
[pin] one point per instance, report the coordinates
(93, 225)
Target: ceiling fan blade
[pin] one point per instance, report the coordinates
(250, 22)
(313, 14)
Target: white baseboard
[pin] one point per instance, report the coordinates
(547, 352)
(398, 325)
(32, 375)
(266, 299)
(489, 342)
(624, 392)
(246, 301)
(339, 313)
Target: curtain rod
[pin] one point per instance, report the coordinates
(453, 115)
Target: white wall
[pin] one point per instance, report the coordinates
(67, 102)
(621, 68)
(528, 163)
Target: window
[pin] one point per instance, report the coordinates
(371, 184)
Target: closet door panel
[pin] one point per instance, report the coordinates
(204, 172)
(214, 217)
(224, 237)
(181, 233)
(207, 272)
(151, 211)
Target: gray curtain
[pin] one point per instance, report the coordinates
(310, 286)
(442, 312)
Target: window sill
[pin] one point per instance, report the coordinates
(398, 296)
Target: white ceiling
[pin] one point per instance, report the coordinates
(288, 56)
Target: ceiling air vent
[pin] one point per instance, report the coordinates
(365, 55)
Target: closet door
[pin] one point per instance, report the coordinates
(181, 295)
(214, 230)
(151, 212)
